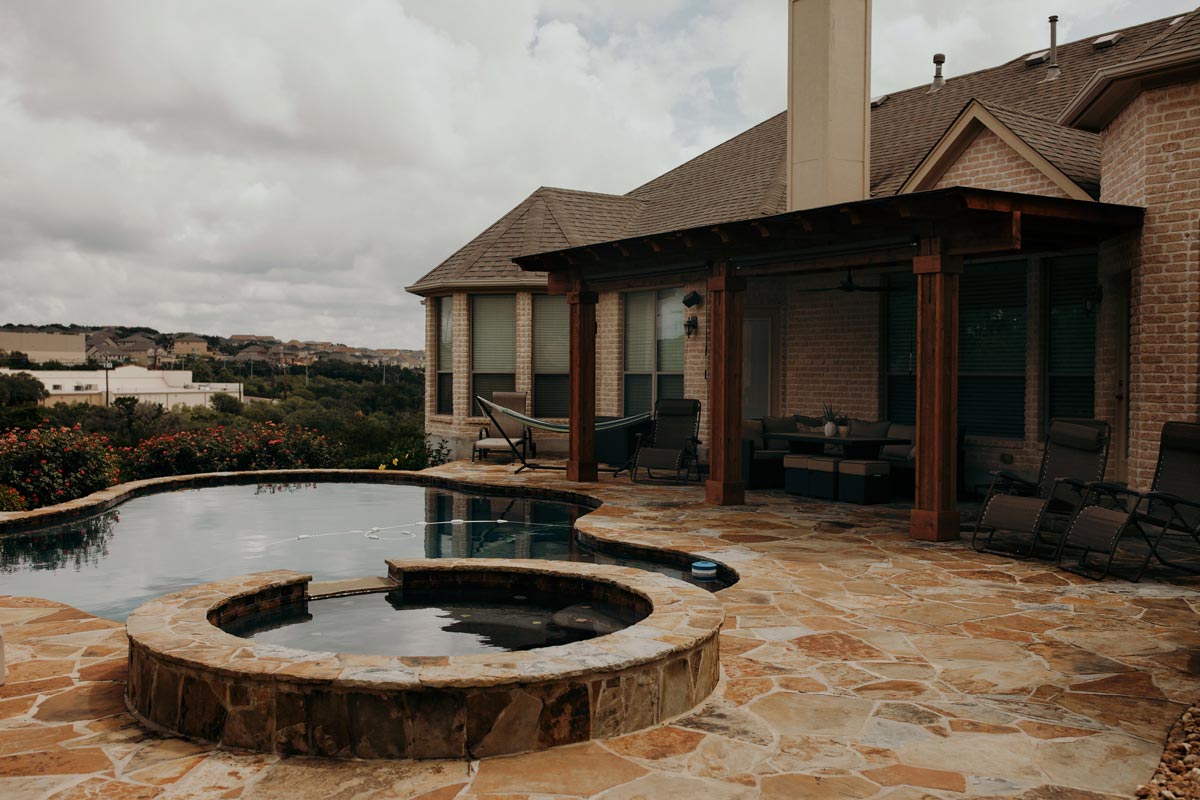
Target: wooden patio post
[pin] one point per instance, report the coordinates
(725, 299)
(935, 513)
(581, 455)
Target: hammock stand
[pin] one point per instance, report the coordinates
(491, 409)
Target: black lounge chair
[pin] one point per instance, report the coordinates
(1111, 511)
(1075, 455)
(672, 443)
(504, 432)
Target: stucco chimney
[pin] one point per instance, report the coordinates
(829, 99)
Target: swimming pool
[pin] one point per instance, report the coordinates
(111, 563)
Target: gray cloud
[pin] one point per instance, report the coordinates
(288, 166)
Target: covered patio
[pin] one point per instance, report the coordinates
(929, 233)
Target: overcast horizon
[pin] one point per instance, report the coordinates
(285, 168)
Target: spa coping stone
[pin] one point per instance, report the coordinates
(189, 677)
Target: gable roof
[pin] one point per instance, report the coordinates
(1068, 158)
(745, 176)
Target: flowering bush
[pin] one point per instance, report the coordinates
(52, 465)
(265, 445)
(11, 500)
(415, 452)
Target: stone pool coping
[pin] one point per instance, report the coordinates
(17, 522)
(103, 500)
(188, 676)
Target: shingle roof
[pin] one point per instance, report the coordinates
(549, 219)
(1075, 152)
(1184, 36)
(745, 176)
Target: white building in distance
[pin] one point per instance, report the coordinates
(167, 388)
(65, 348)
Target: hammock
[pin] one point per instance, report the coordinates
(562, 427)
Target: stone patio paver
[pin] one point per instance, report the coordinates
(856, 664)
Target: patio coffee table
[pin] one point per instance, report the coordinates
(864, 447)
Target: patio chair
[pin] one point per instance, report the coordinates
(672, 443)
(1111, 511)
(503, 432)
(1075, 454)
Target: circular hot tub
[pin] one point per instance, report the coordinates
(641, 648)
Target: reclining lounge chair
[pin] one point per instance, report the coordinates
(672, 443)
(1170, 509)
(503, 432)
(1075, 454)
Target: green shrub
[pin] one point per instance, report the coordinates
(265, 445)
(226, 404)
(411, 452)
(53, 465)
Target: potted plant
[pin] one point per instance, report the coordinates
(832, 417)
(843, 425)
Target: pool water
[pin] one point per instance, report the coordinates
(111, 563)
(383, 624)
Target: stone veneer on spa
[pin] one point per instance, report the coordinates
(189, 677)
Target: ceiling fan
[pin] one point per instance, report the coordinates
(847, 285)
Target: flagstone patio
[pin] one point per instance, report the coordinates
(856, 664)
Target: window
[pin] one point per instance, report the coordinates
(653, 348)
(900, 356)
(56, 387)
(991, 349)
(493, 346)
(551, 356)
(1071, 337)
(444, 355)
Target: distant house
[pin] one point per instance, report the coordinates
(254, 352)
(168, 388)
(189, 345)
(65, 348)
(1047, 206)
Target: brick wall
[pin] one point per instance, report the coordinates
(1151, 157)
(989, 163)
(830, 344)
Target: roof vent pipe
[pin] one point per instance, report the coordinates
(1052, 71)
(938, 80)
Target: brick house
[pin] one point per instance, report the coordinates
(1047, 207)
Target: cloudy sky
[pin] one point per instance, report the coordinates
(286, 167)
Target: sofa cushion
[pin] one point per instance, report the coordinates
(808, 423)
(795, 462)
(871, 430)
(778, 425)
(900, 452)
(752, 430)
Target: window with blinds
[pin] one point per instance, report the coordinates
(653, 348)
(900, 348)
(1071, 337)
(551, 356)
(444, 356)
(493, 346)
(991, 349)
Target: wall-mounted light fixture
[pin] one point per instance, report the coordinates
(1092, 301)
(693, 299)
(691, 325)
